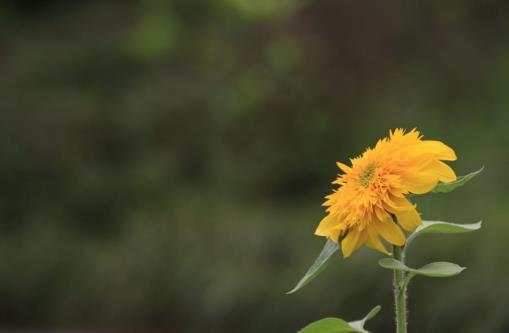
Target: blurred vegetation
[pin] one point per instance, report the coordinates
(162, 163)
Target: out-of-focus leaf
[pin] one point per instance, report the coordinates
(318, 266)
(460, 181)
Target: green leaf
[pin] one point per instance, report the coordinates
(318, 266)
(372, 313)
(460, 181)
(439, 227)
(391, 263)
(359, 324)
(337, 325)
(435, 269)
(329, 325)
(440, 269)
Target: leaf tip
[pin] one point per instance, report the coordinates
(373, 312)
(291, 291)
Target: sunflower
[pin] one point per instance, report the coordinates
(373, 191)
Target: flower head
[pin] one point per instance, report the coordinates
(375, 188)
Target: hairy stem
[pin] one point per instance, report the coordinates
(400, 292)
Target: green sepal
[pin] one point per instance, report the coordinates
(460, 181)
(318, 266)
(337, 325)
(435, 269)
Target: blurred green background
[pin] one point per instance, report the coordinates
(163, 163)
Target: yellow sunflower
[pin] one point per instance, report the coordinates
(376, 186)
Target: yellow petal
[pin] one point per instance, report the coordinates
(390, 232)
(396, 204)
(381, 214)
(326, 225)
(345, 168)
(441, 170)
(439, 149)
(374, 242)
(334, 234)
(419, 182)
(353, 240)
(409, 219)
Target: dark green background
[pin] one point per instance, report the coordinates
(163, 163)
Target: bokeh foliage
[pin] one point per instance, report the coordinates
(162, 163)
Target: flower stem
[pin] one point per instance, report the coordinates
(400, 292)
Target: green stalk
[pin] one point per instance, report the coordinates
(400, 287)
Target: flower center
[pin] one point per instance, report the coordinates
(367, 175)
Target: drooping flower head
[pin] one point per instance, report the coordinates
(376, 186)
